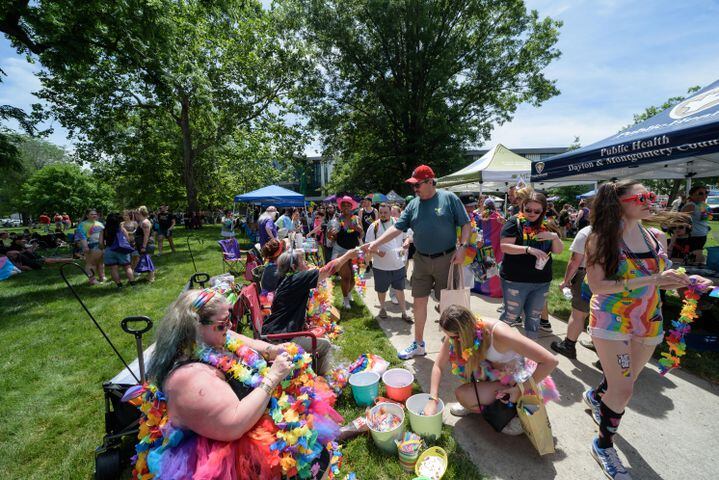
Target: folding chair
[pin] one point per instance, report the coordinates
(231, 256)
(252, 311)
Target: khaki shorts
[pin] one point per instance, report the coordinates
(430, 273)
(578, 303)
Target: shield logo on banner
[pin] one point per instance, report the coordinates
(539, 166)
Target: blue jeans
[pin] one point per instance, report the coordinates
(524, 297)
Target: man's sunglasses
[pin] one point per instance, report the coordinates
(530, 211)
(417, 185)
(641, 198)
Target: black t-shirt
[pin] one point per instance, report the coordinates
(520, 268)
(164, 219)
(345, 239)
(367, 218)
(290, 303)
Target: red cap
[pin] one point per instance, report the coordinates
(421, 173)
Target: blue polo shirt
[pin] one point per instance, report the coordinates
(434, 221)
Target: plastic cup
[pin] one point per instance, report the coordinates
(399, 383)
(365, 387)
(540, 263)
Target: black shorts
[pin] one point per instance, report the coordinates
(697, 243)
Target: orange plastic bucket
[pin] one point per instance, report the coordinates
(398, 382)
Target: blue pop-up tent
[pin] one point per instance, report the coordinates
(272, 195)
(680, 142)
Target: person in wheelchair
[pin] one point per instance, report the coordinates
(290, 303)
(216, 400)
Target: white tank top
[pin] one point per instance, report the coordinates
(496, 357)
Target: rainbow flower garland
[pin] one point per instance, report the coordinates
(677, 347)
(359, 268)
(299, 409)
(529, 233)
(704, 211)
(458, 362)
(319, 314)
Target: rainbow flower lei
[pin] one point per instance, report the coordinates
(529, 233)
(459, 361)
(353, 222)
(677, 347)
(319, 310)
(359, 269)
(704, 211)
(293, 406)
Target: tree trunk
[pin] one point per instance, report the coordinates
(188, 156)
(676, 184)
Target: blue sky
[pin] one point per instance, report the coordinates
(618, 57)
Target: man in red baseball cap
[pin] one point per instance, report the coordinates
(433, 215)
(421, 174)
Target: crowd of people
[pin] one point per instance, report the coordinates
(617, 268)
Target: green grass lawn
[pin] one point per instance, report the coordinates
(54, 362)
(704, 364)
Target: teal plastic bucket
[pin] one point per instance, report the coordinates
(713, 258)
(365, 387)
(429, 427)
(385, 441)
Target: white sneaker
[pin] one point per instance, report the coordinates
(393, 298)
(414, 350)
(513, 428)
(458, 410)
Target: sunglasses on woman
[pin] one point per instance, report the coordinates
(531, 211)
(220, 326)
(641, 198)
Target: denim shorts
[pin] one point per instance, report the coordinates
(112, 257)
(527, 298)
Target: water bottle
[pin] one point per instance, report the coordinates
(567, 293)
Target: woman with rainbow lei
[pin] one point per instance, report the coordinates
(627, 264)
(216, 410)
(527, 243)
(289, 308)
(347, 232)
(491, 359)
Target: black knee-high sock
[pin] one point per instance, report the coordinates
(608, 425)
(601, 389)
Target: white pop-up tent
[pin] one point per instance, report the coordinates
(492, 172)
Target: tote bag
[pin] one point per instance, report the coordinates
(533, 415)
(121, 245)
(454, 294)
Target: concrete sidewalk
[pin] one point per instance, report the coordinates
(670, 430)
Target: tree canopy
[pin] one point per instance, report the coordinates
(416, 81)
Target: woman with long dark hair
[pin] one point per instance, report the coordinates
(116, 254)
(627, 264)
(527, 242)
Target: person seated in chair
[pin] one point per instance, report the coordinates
(290, 303)
(212, 391)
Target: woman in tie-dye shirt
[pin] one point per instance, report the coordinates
(627, 264)
(90, 232)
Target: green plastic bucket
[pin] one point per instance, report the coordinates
(385, 440)
(365, 387)
(426, 426)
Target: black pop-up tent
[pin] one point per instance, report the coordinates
(680, 142)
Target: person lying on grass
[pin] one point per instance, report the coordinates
(216, 409)
(290, 302)
(491, 358)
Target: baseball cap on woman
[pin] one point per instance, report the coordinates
(420, 174)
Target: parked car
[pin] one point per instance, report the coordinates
(11, 222)
(713, 202)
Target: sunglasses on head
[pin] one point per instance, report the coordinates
(530, 211)
(641, 198)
